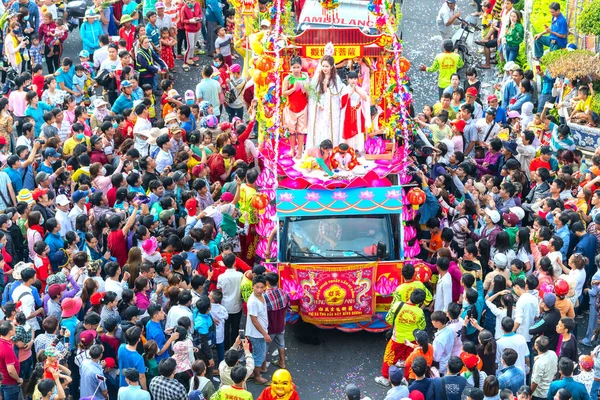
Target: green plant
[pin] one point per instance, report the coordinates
(519, 5)
(571, 64)
(588, 21)
(540, 14)
(596, 103)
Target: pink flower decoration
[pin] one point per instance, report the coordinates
(409, 233)
(286, 197)
(313, 196)
(292, 288)
(385, 286)
(393, 194)
(339, 195)
(366, 195)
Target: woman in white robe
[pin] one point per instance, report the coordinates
(324, 106)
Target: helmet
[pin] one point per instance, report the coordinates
(209, 121)
(561, 287)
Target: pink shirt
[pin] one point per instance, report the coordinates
(17, 103)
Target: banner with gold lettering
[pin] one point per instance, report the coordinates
(330, 294)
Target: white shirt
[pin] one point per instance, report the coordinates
(163, 160)
(74, 213)
(443, 17)
(177, 312)
(100, 55)
(483, 128)
(256, 308)
(443, 295)
(526, 311)
(27, 304)
(500, 313)
(219, 313)
(517, 343)
(230, 282)
(109, 65)
(65, 223)
(23, 141)
(141, 144)
(579, 275)
(82, 278)
(114, 286)
(164, 21)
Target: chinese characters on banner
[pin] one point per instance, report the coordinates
(331, 294)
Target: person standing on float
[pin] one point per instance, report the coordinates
(324, 106)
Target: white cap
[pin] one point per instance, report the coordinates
(493, 214)
(509, 66)
(500, 260)
(62, 200)
(518, 211)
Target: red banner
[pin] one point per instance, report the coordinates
(331, 294)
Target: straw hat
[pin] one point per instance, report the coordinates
(25, 195)
(154, 133)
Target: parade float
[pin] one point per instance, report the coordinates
(346, 285)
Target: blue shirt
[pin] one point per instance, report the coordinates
(547, 83)
(565, 235)
(121, 103)
(133, 393)
(71, 325)
(130, 359)
(512, 378)
(510, 91)
(500, 115)
(153, 33)
(154, 331)
(28, 182)
(38, 115)
(89, 381)
(66, 78)
(576, 389)
(15, 177)
(559, 25)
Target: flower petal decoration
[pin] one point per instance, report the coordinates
(340, 195)
(313, 196)
(291, 183)
(393, 194)
(286, 197)
(366, 195)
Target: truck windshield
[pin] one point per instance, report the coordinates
(336, 237)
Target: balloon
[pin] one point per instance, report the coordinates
(404, 64)
(259, 77)
(255, 41)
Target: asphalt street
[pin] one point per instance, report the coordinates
(323, 362)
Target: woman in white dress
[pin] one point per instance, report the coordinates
(355, 121)
(324, 106)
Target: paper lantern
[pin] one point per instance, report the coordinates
(260, 202)
(264, 63)
(416, 197)
(422, 273)
(259, 77)
(404, 65)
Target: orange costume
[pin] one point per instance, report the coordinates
(339, 158)
(418, 351)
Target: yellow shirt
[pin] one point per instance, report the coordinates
(584, 105)
(409, 318)
(245, 204)
(402, 292)
(70, 144)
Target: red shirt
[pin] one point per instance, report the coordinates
(117, 245)
(111, 196)
(8, 357)
(216, 164)
(538, 163)
(38, 81)
(129, 36)
(240, 148)
(128, 131)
